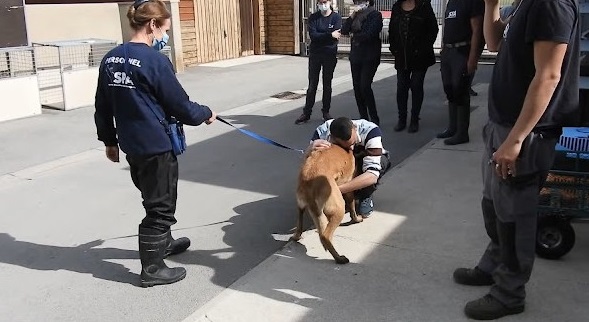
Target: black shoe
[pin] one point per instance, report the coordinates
(473, 277)
(448, 133)
(413, 126)
(303, 119)
(176, 246)
(326, 116)
(472, 92)
(152, 247)
(489, 308)
(401, 125)
(456, 139)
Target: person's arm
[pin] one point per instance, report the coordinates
(548, 58)
(371, 27)
(319, 138)
(493, 26)
(476, 25)
(432, 24)
(347, 26)
(104, 114)
(175, 101)
(371, 171)
(338, 21)
(314, 34)
(551, 24)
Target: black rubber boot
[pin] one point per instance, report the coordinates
(152, 247)
(176, 246)
(462, 125)
(452, 119)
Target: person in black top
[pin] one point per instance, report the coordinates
(413, 29)
(462, 45)
(136, 82)
(324, 30)
(534, 92)
(364, 25)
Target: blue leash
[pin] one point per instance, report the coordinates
(259, 137)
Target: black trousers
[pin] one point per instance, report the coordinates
(455, 77)
(408, 79)
(385, 164)
(156, 177)
(327, 62)
(362, 76)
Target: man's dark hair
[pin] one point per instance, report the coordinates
(341, 128)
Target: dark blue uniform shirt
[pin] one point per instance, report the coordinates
(129, 88)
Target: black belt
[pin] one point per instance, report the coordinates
(457, 44)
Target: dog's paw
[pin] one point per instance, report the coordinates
(357, 219)
(342, 260)
(295, 237)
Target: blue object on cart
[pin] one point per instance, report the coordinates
(574, 139)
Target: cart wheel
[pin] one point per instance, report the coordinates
(555, 237)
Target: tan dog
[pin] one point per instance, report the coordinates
(319, 194)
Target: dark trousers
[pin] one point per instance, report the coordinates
(362, 76)
(327, 62)
(385, 163)
(410, 79)
(510, 213)
(157, 178)
(455, 77)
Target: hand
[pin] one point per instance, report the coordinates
(353, 11)
(321, 144)
(471, 67)
(336, 34)
(504, 159)
(212, 119)
(112, 153)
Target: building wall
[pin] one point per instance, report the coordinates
(282, 26)
(53, 22)
(187, 23)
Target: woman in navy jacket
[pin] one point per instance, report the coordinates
(324, 30)
(364, 25)
(413, 29)
(137, 87)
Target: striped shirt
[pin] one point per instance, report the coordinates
(369, 137)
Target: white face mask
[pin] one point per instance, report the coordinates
(323, 7)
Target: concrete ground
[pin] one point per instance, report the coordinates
(68, 217)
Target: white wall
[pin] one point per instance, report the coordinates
(54, 22)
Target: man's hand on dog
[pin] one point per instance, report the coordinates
(320, 144)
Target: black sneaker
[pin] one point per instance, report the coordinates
(326, 116)
(489, 308)
(303, 119)
(472, 277)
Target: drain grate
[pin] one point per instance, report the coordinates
(288, 96)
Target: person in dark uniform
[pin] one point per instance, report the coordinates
(137, 89)
(462, 45)
(534, 92)
(413, 29)
(364, 25)
(324, 30)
